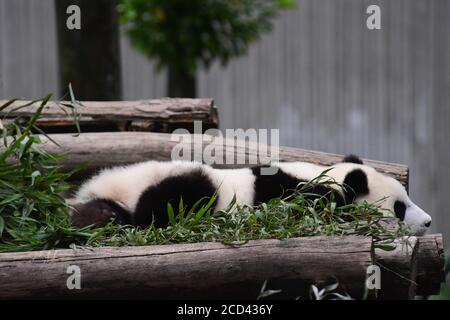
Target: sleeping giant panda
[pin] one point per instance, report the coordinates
(138, 194)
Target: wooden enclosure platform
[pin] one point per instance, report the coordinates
(213, 270)
(204, 270)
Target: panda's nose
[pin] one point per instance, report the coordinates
(427, 224)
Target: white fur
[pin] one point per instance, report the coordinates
(233, 182)
(417, 218)
(125, 185)
(384, 191)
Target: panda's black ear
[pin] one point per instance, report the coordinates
(353, 159)
(355, 185)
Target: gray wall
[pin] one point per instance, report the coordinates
(28, 49)
(321, 77)
(140, 79)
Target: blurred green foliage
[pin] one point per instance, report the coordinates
(183, 34)
(33, 213)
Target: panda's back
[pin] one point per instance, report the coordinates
(126, 184)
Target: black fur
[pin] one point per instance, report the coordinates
(355, 185)
(400, 210)
(282, 184)
(99, 212)
(352, 159)
(152, 204)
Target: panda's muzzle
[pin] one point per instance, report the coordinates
(418, 219)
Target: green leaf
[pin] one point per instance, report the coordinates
(35, 174)
(2, 226)
(286, 4)
(385, 247)
(7, 104)
(171, 214)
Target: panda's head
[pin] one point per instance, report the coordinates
(366, 184)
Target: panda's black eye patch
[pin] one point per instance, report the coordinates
(400, 209)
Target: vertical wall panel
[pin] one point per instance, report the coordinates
(28, 49)
(140, 79)
(441, 86)
(422, 109)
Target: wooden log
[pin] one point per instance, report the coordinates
(430, 272)
(398, 269)
(423, 274)
(158, 114)
(98, 150)
(198, 270)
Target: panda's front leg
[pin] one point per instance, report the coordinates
(99, 212)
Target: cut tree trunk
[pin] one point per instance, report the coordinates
(90, 57)
(213, 270)
(162, 115)
(399, 269)
(99, 150)
(430, 255)
(181, 84)
(198, 270)
(424, 273)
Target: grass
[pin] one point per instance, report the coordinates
(34, 216)
(281, 218)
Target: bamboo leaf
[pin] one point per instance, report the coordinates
(171, 214)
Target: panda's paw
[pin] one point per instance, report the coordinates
(94, 212)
